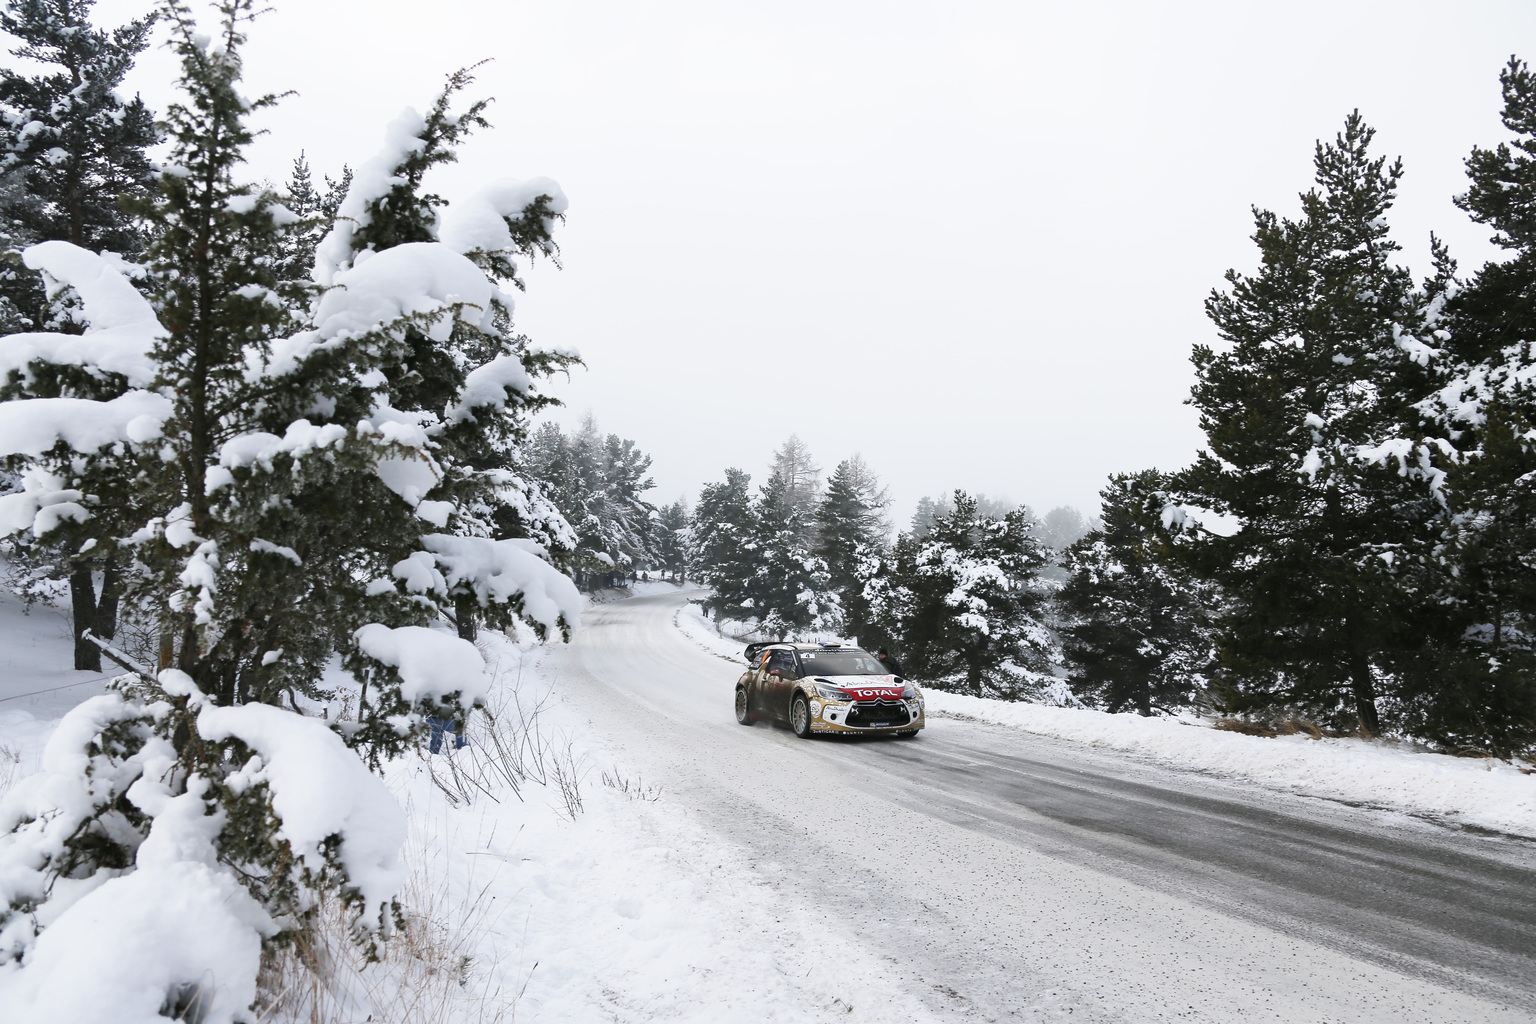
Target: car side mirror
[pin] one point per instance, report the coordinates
(776, 672)
(900, 679)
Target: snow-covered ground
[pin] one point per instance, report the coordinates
(37, 684)
(562, 888)
(1479, 792)
(624, 910)
(565, 887)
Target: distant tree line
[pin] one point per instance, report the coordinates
(597, 482)
(963, 595)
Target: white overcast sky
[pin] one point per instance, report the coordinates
(968, 240)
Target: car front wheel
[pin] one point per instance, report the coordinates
(800, 717)
(744, 713)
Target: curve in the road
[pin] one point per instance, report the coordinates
(1024, 864)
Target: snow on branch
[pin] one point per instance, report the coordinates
(293, 752)
(500, 571)
(418, 277)
(120, 325)
(372, 182)
(1192, 517)
(487, 386)
(479, 223)
(432, 665)
(426, 282)
(42, 504)
(33, 426)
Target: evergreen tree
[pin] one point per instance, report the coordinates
(1479, 689)
(317, 209)
(850, 528)
(1064, 526)
(725, 549)
(1136, 632)
(931, 510)
(598, 483)
(70, 151)
(80, 147)
(675, 540)
(966, 602)
(1304, 412)
(799, 476)
(284, 511)
(928, 512)
(790, 590)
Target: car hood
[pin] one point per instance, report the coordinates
(866, 687)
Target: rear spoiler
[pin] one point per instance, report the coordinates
(753, 650)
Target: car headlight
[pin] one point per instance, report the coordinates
(910, 693)
(832, 693)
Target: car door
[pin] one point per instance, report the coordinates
(780, 682)
(757, 691)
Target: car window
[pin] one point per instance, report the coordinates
(842, 663)
(784, 661)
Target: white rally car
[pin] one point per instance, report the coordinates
(826, 688)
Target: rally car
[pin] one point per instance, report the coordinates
(826, 688)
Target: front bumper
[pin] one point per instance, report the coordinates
(867, 716)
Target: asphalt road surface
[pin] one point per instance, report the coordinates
(1006, 876)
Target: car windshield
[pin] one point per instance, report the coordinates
(841, 663)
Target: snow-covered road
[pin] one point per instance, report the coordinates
(993, 874)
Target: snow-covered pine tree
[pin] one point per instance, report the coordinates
(632, 521)
(791, 590)
(1305, 410)
(597, 482)
(727, 557)
(70, 149)
(80, 146)
(467, 380)
(800, 477)
(288, 512)
(1135, 628)
(850, 528)
(1479, 689)
(965, 601)
(675, 540)
(317, 209)
(930, 510)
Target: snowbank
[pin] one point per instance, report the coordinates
(1481, 792)
(690, 619)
